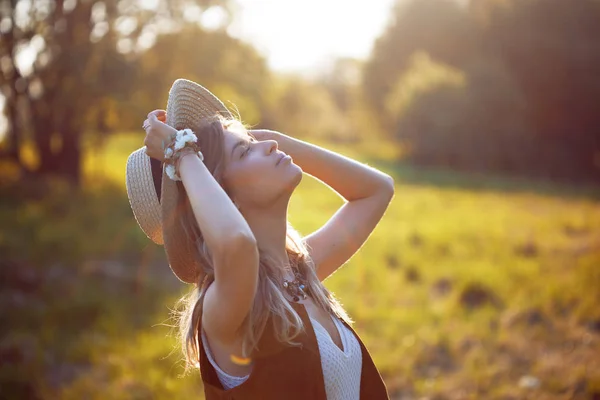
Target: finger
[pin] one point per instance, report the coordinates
(157, 113)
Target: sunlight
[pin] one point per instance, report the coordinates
(304, 35)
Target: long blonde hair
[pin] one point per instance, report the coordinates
(269, 300)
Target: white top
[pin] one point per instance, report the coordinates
(341, 369)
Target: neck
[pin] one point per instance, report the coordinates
(269, 227)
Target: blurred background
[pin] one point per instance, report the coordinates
(483, 278)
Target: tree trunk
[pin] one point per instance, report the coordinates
(70, 157)
(43, 129)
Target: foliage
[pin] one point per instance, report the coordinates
(422, 76)
(231, 69)
(82, 70)
(485, 85)
(527, 106)
(437, 27)
(449, 124)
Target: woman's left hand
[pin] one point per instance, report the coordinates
(158, 134)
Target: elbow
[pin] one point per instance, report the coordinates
(244, 243)
(388, 186)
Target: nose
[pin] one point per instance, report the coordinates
(271, 146)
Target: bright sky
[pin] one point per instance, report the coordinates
(303, 35)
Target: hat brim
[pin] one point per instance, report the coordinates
(141, 178)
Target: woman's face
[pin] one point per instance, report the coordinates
(255, 174)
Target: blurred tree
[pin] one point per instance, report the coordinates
(342, 81)
(230, 68)
(422, 75)
(551, 48)
(528, 100)
(471, 119)
(439, 27)
(483, 10)
(63, 64)
(304, 109)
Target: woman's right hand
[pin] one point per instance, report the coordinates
(158, 134)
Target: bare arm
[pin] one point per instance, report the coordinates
(217, 216)
(227, 235)
(348, 178)
(367, 193)
(233, 247)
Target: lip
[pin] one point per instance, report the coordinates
(283, 156)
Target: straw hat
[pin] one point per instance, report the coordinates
(187, 105)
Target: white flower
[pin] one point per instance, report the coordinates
(191, 138)
(168, 152)
(179, 144)
(184, 136)
(170, 169)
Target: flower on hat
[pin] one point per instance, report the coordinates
(184, 136)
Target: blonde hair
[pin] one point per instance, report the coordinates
(269, 300)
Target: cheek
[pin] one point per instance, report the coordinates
(252, 175)
(252, 179)
(241, 178)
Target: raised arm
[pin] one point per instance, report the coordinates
(233, 248)
(227, 235)
(367, 193)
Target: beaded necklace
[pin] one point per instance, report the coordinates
(297, 289)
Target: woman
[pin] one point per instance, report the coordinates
(259, 323)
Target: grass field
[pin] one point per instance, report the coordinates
(471, 287)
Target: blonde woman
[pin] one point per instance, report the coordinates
(259, 323)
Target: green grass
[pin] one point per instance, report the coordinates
(468, 283)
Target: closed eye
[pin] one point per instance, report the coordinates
(248, 147)
(245, 151)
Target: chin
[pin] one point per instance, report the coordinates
(292, 181)
(298, 174)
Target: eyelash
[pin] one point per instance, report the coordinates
(252, 140)
(246, 151)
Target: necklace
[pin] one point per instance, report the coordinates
(297, 288)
